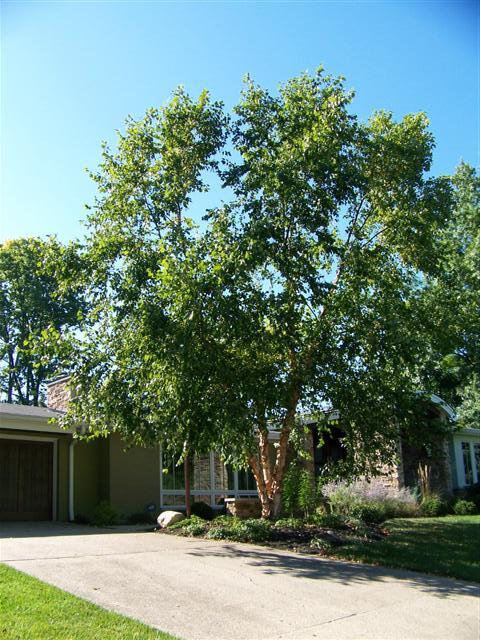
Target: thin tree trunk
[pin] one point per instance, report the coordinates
(11, 375)
(262, 490)
(27, 391)
(186, 471)
(10, 387)
(36, 396)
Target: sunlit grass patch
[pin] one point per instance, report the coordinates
(32, 609)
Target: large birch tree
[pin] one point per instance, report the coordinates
(299, 291)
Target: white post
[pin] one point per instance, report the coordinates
(71, 481)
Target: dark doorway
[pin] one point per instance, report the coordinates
(26, 480)
(327, 447)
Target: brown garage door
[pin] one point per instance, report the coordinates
(26, 480)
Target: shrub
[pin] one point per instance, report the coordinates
(341, 497)
(185, 522)
(299, 493)
(290, 523)
(321, 508)
(307, 496)
(193, 526)
(223, 528)
(195, 529)
(321, 545)
(402, 508)
(202, 510)
(472, 494)
(372, 512)
(290, 489)
(372, 502)
(224, 519)
(464, 507)
(360, 527)
(332, 521)
(219, 533)
(251, 530)
(433, 505)
(104, 515)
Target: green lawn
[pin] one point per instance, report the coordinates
(35, 610)
(448, 546)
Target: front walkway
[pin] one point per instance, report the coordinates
(199, 589)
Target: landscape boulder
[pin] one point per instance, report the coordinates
(166, 518)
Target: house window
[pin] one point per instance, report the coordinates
(467, 463)
(174, 475)
(211, 481)
(476, 455)
(246, 480)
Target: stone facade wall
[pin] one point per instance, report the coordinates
(407, 471)
(58, 394)
(429, 474)
(201, 472)
(392, 476)
(441, 474)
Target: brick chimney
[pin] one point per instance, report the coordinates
(58, 393)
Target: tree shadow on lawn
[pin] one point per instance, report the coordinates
(273, 562)
(446, 546)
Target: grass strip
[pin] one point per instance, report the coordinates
(32, 609)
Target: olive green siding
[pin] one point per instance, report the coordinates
(103, 470)
(62, 477)
(90, 476)
(63, 441)
(134, 477)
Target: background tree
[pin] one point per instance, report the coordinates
(38, 300)
(452, 303)
(301, 292)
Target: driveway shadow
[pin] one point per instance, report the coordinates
(53, 529)
(273, 562)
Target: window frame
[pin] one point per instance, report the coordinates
(472, 439)
(212, 492)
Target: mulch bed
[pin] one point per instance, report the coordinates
(309, 539)
(318, 540)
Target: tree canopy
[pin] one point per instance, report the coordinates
(39, 299)
(301, 290)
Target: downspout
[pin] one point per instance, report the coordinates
(71, 481)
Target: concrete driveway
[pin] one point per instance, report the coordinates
(200, 589)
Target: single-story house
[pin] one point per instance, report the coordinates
(455, 464)
(47, 474)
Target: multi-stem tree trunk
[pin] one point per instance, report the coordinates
(268, 466)
(268, 470)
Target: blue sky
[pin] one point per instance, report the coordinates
(72, 71)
